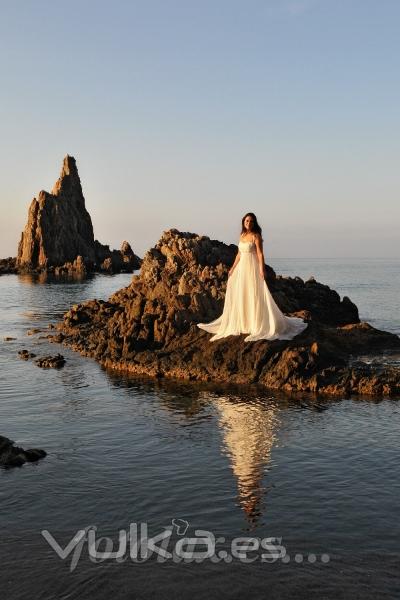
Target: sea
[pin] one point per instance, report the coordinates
(166, 489)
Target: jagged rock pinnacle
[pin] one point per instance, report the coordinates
(69, 177)
(59, 231)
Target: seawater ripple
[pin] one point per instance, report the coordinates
(323, 475)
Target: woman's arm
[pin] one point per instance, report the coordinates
(234, 264)
(260, 255)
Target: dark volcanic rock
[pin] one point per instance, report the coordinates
(150, 327)
(14, 456)
(8, 266)
(58, 236)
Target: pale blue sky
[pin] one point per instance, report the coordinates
(189, 113)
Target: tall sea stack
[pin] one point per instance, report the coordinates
(59, 232)
(59, 227)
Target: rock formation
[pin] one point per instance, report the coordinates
(14, 456)
(25, 354)
(59, 238)
(8, 265)
(149, 327)
(51, 362)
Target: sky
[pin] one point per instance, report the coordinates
(190, 113)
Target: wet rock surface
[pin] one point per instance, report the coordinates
(149, 327)
(14, 456)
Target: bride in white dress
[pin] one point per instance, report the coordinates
(249, 306)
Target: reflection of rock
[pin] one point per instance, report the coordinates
(248, 433)
(149, 327)
(14, 456)
(58, 236)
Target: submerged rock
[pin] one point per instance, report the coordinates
(149, 327)
(14, 456)
(58, 237)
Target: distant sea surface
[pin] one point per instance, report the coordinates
(320, 476)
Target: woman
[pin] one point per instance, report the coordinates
(249, 307)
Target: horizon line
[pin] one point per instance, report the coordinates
(334, 257)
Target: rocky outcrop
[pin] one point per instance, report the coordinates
(45, 362)
(59, 238)
(51, 362)
(114, 261)
(8, 265)
(26, 355)
(149, 327)
(14, 456)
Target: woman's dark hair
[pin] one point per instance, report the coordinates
(255, 228)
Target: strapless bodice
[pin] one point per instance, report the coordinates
(247, 246)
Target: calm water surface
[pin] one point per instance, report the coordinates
(324, 476)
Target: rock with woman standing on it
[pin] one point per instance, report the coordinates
(150, 327)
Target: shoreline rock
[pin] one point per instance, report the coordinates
(149, 328)
(58, 237)
(8, 266)
(25, 354)
(50, 362)
(45, 362)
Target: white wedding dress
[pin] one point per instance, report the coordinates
(249, 306)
